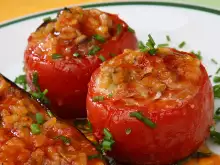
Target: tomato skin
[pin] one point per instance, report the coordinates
(179, 131)
(67, 79)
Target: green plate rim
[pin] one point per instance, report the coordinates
(106, 4)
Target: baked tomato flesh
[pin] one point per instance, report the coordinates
(64, 53)
(158, 108)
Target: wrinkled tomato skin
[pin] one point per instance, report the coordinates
(67, 80)
(179, 131)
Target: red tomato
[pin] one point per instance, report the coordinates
(66, 78)
(171, 89)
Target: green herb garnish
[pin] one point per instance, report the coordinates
(146, 121)
(218, 70)
(65, 139)
(141, 46)
(128, 131)
(99, 38)
(215, 136)
(21, 80)
(35, 129)
(198, 54)
(90, 126)
(50, 114)
(151, 40)
(107, 141)
(98, 98)
(119, 29)
(39, 118)
(41, 96)
(56, 56)
(102, 58)
(216, 89)
(107, 145)
(182, 44)
(35, 79)
(168, 38)
(214, 61)
(216, 79)
(94, 50)
(76, 54)
(97, 156)
(112, 54)
(149, 46)
(110, 95)
(162, 45)
(131, 30)
(47, 19)
(217, 115)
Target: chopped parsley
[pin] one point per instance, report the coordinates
(128, 131)
(41, 96)
(97, 98)
(168, 38)
(35, 79)
(131, 30)
(141, 46)
(50, 114)
(83, 125)
(215, 136)
(21, 80)
(107, 141)
(218, 70)
(198, 54)
(39, 118)
(89, 126)
(216, 89)
(217, 115)
(162, 45)
(112, 54)
(182, 44)
(76, 54)
(110, 95)
(99, 38)
(216, 79)
(56, 56)
(35, 129)
(65, 139)
(102, 58)
(146, 121)
(47, 19)
(38, 94)
(119, 29)
(149, 46)
(97, 156)
(214, 61)
(94, 50)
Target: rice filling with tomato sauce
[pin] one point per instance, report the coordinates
(139, 79)
(73, 31)
(30, 134)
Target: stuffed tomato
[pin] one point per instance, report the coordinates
(31, 135)
(157, 108)
(65, 51)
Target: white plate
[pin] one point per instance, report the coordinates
(198, 26)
